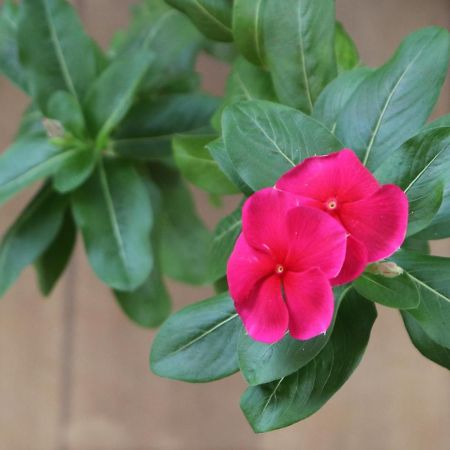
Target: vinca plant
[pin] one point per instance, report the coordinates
(96, 139)
(344, 180)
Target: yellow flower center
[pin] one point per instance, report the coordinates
(279, 269)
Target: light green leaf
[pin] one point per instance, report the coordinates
(199, 343)
(395, 100)
(30, 235)
(347, 56)
(288, 400)
(264, 140)
(112, 210)
(299, 46)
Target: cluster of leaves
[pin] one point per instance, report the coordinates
(97, 134)
(298, 89)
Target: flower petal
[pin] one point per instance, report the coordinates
(246, 267)
(379, 222)
(310, 302)
(264, 220)
(264, 313)
(316, 240)
(338, 175)
(354, 264)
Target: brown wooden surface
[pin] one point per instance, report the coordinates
(74, 372)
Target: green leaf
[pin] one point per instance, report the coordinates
(113, 211)
(299, 45)
(55, 51)
(420, 167)
(415, 244)
(224, 238)
(218, 151)
(429, 348)
(347, 56)
(64, 108)
(334, 98)
(29, 159)
(197, 165)
(432, 276)
(112, 94)
(30, 235)
(149, 304)
(264, 140)
(52, 263)
(399, 292)
(288, 400)
(396, 99)
(443, 121)
(211, 17)
(184, 240)
(10, 65)
(199, 343)
(248, 26)
(261, 363)
(149, 127)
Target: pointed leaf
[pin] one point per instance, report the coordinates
(347, 56)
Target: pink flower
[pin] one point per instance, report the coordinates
(375, 216)
(279, 271)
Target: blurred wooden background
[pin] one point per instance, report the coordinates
(74, 372)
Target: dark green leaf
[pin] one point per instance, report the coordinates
(112, 94)
(347, 56)
(336, 95)
(64, 108)
(261, 363)
(212, 17)
(148, 128)
(55, 51)
(396, 99)
(52, 263)
(10, 64)
(299, 46)
(225, 235)
(429, 348)
(30, 235)
(148, 305)
(199, 343)
(112, 210)
(420, 167)
(293, 398)
(432, 276)
(415, 244)
(197, 165)
(399, 292)
(264, 140)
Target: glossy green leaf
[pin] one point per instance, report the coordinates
(183, 238)
(149, 127)
(112, 94)
(224, 238)
(261, 363)
(10, 64)
(333, 99)
(248, 29)
(28, 160)
(199, 343)
(399, 292)
(264, 140)
(421, 167)
(396, 99)
(55, 51)
(432, 276)
(197, 165)
(299, 46)
(347, 56)
(149, 304)
(30, 235)
(219, 153)
(52, 263)
(212, 17)
(429, 348)
(112, 210)
(288, 400)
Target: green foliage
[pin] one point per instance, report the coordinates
(347, 56)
